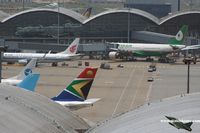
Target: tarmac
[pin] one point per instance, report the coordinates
(120, 89)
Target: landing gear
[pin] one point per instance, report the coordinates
(149, 59)
(54, 64)
(166, 60)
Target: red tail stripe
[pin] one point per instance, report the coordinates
(88, 73)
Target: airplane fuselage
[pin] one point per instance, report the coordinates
(11, 81)
(145, 49)
(42, 57)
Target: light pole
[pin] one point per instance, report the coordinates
(23, 5)
(188, 60)
(128, 32)
(58, 34)
(2, 49)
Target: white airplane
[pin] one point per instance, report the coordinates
(149, 49)
(75, 95)
(27, 70)
(68, 54)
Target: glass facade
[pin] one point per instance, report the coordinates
(35, 20)
(110, 26)
(115, 25)
(172, 25)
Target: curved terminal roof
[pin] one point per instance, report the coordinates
(5, 17)
(63, 11)
(132, 11)
(151, 117)
(27, 112)
(177, 14)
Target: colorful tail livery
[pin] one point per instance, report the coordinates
(179, 36)
(73, 47)
(75, 95)
(88, 12)
(30, 82)
(27, 70)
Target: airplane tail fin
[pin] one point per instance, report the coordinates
(73, 47)
(30, 82)
(180, 36)
(189, 124)
(79, 89)
(26, 70)
(87, 12)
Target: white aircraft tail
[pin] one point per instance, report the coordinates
(73, 47)
(26, 70)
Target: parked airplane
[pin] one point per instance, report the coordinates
(30, 82)
(27, 70)
(68, 54)
(75, 95)
(149, 49)
(178, 124)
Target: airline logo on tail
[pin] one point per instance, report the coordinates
(79, 89)
(73, 48)
(27, 71)
(179, 36)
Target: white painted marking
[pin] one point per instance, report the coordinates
(149, 92)
(138, 86)
(122, 94)
(109, 82)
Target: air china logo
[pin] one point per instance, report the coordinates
(72, 48)
(27, 72)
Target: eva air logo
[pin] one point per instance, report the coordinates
(27, 71)
(179, 36)
(72, 48)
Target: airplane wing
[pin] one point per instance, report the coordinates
(75, 55)
(174, 47)
(189, 124)
(191, 47)
(114, 49)
(91, 101)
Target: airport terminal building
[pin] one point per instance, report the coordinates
(38, 28)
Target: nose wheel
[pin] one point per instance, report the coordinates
(54, 64)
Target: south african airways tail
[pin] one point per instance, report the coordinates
(74, 96)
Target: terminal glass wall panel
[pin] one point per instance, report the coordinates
(38, 23)
(115, 26)
(173, 25)
(159, 10)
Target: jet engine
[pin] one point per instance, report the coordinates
(23, 61)
(113, 55)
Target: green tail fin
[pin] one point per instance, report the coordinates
(180, 36)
